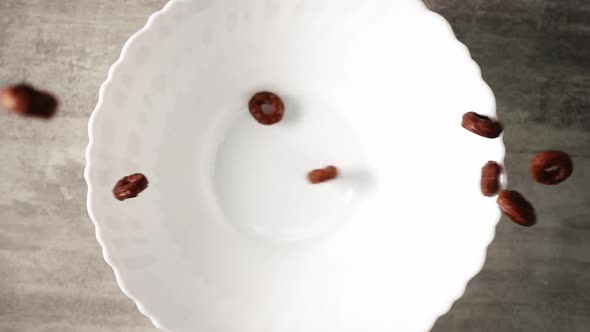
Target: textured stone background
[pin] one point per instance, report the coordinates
(534, 53)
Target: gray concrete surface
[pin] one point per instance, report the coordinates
(534, 53)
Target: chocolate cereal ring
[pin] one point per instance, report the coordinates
(551, 167)
(25, 100)
(322, 175)
(481, 125)
(517, 208)
(277, 108)
(490, 178)
(130, 186)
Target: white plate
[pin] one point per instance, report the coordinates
(229, 236)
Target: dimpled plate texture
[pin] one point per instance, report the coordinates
(229, 236)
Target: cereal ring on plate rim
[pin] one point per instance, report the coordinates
(481, 125)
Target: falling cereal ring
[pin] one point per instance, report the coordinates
(481, 125)
(551, 167)
(277, 108)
